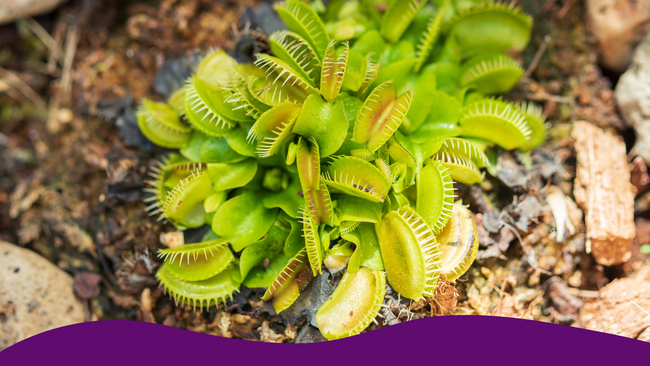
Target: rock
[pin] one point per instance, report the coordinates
(35, 295)
(633, 98)
(603, 190)
(619, 26)
(12, 10)
(174, 72)
(309, 334)
(621, 307)
(120, 112)
(310, 300)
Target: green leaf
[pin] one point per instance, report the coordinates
(295, 241)
(447, 75)
(401, 72)
(367, 253)
(423, 91)
(243, 219)
(357, 209)
(192, 151)
(263, 276)
(229, 176)
(399, 51)
(289, 200)
(269, 247)
(371, 42)
(323, 121)
(216, 149)
(355, 72)
(237, 141)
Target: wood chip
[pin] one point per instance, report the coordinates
(603, 190)
(622, 307)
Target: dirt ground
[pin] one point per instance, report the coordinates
(73, 165)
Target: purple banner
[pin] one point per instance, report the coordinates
(454, 339)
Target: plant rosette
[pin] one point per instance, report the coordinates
(338, 151)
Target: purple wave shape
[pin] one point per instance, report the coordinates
(447, 340)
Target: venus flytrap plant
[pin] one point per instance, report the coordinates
(338, 151)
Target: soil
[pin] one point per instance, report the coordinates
(73, 169)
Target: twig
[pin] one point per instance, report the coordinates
(538, 56)
(59, 30)
(71, 42)
(14, 81)
(554, 98)
(637, 305)
(46, 38)
(583, 293)
(548, 4)
(565, 9)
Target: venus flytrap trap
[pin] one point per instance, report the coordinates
(338, 152)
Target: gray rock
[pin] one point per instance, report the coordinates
(174, 73)
(35, 295)
(309, 334)
(633, 97)
(310, 300)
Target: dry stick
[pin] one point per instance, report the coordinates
(583, 293)
(71, 41)
(637, 305)
(538, 56)
(59, 30)
(548, 4)
(565, 9)
(553, 98)
(46, 38)
(14, 81)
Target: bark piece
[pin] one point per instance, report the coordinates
(603, 190)
(621, 307)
